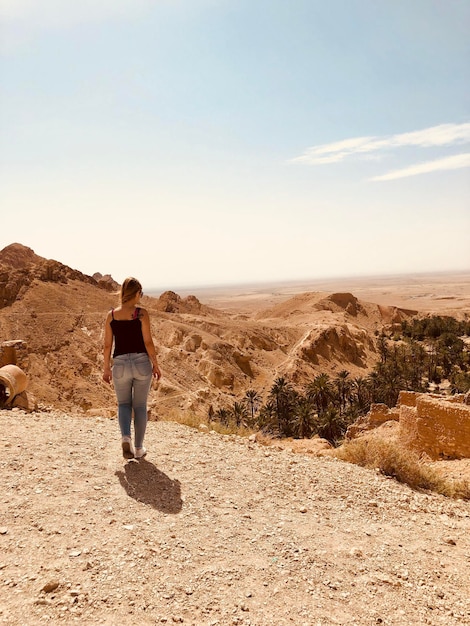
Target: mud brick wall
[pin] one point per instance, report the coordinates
(439, 428)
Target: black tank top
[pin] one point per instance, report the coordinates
(128, 336)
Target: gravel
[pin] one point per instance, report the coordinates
(215, 530)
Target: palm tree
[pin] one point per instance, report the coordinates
(362, 388)
(223, 416)
(332, 426)
(253, 399)
(239, 413)
(382, 348)
(267, 416)
(417, 359)
(342, 387)
(281, 392)
(304, 419)
(388, 382)
(320, 392)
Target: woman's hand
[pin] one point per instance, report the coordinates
(157, 374)
(107, 375)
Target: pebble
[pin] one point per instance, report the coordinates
(75, 553)
(450, 541)
(50, 586)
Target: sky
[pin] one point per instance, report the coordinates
(211, 142)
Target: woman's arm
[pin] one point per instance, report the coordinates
(149, 345)
(108, 346)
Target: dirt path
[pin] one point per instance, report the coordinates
(215, 530)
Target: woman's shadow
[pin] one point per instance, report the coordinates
(145, 483)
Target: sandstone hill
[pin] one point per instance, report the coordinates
(208, 356)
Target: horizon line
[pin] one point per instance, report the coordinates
(297, 281)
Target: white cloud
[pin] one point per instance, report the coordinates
(457, 161)
(435, 136)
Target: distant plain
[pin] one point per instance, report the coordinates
(440, 293)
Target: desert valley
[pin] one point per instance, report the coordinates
(214, 344)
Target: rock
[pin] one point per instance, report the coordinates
(74, 553)
(20, 266)
(377, 415)
(216, 375)
(171, 302)
(50, 586)
(340, 301)
(106, 282)
(26, 402)
(450, 541)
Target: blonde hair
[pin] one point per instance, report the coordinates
(130, 287)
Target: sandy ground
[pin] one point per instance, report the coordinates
(215, 530)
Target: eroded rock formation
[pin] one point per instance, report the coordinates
(20, 267)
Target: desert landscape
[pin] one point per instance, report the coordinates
(213, 344)
(213, 529)
(446, 293)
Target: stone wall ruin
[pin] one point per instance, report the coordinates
(436, 426)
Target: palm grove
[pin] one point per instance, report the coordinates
(425, 352)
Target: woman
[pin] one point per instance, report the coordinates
(134, 364)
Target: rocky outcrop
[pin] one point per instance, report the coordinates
(106, 282)
(392, 315)
(20, 267)
(344, 343)
(171, 302)
(340, 302)
(435, 427)
(218, 376)
(18, 256)
(378, 415)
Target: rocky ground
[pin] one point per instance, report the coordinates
(215, 530)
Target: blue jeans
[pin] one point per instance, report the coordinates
(132, 377)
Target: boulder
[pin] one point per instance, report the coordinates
(25, 401)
